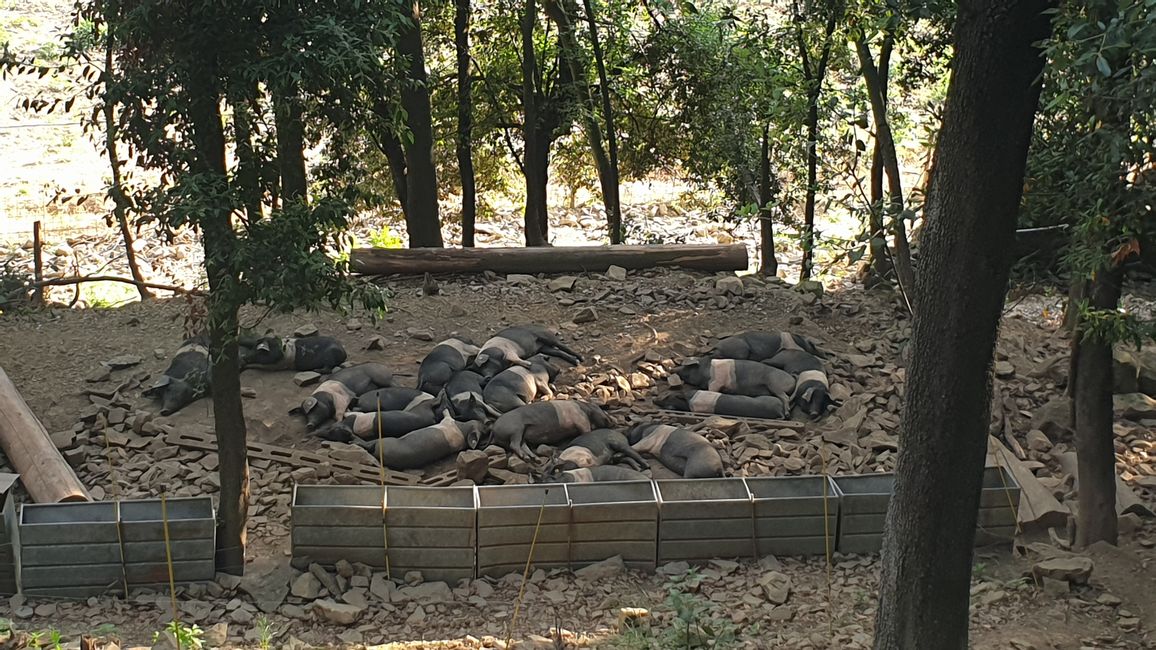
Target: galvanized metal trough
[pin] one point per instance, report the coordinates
(703, 519)
(863, 500)
(507, 518)
(431, 530)
(999, 503)
(794, 515)
(8, 583)
(77, 550)
(617, 518)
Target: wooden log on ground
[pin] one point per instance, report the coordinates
(42, 469)
(1126, 499)
(553, 259)
(1038, 506)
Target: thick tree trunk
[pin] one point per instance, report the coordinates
(120, 202)
(465, 121)
(422, 221)
(219, 241)
(972, 205)
(535, 155)
(1092, 390)
(610, 194)
(770, 265)
(389, 145)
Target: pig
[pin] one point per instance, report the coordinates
(759, 346)
(705, 401)
(811, 388)
(330, 400)
(517, 386)
(546, 423)
(320, 353)
(385, 424)
(463, 394)
(737, 377)
(394, 398)
(419, 448)
(446, 358)
(600, 447)
(680, 450)
(513, 345)
(186, 380)
(596, 474)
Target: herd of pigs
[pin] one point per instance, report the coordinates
(469, 397)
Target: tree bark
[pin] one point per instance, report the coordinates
(422, 221)
(973, 201)
(562, 259)
(465, 121)
(610, 194)
(814, 76)
(389, 145)
(120, 202)
(1092, 391)
(288, 118)
(248, 165)
(536, 153)
(770, 265)
(219, 241)
(879, 264)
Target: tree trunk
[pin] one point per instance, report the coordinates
(770, 265)
(1092, 391)
(535, 155)
(422, 221)
(973, 201)
(248, 166)
(389, 145)
(879, 264)
(288, 117)
(885, 142)
(610, 194)
(120, 202)
(465, 121)
(219, 241)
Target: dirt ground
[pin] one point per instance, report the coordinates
(50, 354)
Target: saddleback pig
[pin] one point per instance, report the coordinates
(760, 346)
(600, 447)
(186, 380)
(682, 451)
(546, 423)
(705, 401)
(446, 358)
(320, 353)
(737, 377)
(331, 399)
(517, 386)
(596, 474)
(419, 448)
(811, 388)
(513, 345)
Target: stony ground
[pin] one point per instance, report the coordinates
(639, 325)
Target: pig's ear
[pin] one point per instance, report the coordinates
(308, 405)
(481, 359)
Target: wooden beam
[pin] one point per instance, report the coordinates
(550, 259)
(42, 469)
(1038, 506)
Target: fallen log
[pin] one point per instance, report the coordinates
(1038, 506)
(42, 469)
(552, 259)
(1126, 499)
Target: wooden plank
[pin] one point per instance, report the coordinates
(553, 259)
(686, 417)
(1126, 499)
(1038, 507)
(295, 458)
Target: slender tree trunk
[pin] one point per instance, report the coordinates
(288, 118)
(972, 205)
(389, 145)
(219, 241)
(770, 265)
(535, 156)
(248, 166)
(879, 264)
(876, 92)
(422, 221)
(120, 202)
(610, 193)
(465, 121)
(1092, 390)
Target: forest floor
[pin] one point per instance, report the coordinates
(650, 316)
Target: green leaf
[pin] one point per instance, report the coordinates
(1102, 65)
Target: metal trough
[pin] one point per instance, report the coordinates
(999, 502)
(701, 519)
(863, 500)
(789, 514)
(617, 518)
(8, 583)
(507, 518)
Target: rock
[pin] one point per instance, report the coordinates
(776, 587)
(337, 613)
(1134, 406)
(249, 392)
(730, 286)
(416, 617)
(123, 361)
(353, 325)
(326, 579)
(228, 582)
(47, 609)
(352, 454)
(562, 283)
(381, 588)
(519, 466)
(355, 597)
(217, 635)
(1074, 569)
(585, 315)
(813, 287)
(520, 279)
(1125, 371)
(303, 474)
(426, 592)
(473, 464)
(1109, 600)
(879, 440)
(616, 273)
(306, 586)
(376, 343)
(266, 580)
(100, 374)
(1004, 370)
(307, 378)
(1037, 441)
(418, 334)
(64, 439)
(413, 578)
(1054, 418)
(344, 569)
(599, 570)
(306, 330)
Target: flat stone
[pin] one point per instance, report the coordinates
(376, 343)
(381, 588)
(730, 286)
(266, 580)
(674, 569)
(217, 635)
(1074, 569)
(337, 613)
(64, 439)
(123, 361)
(306, 586)
(1134, 406)
(1004, 370)
(307, 378)
(585, 315)
(100, 374)
(473, 464)
(607, 568)
(562, 283)
(326, 579)
(813, 287)
(520, 279)
(776, 587)
(1038, 441)
(616, 273)
(355, 597)
(426, 592)
(248, 392)
(309, 329)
